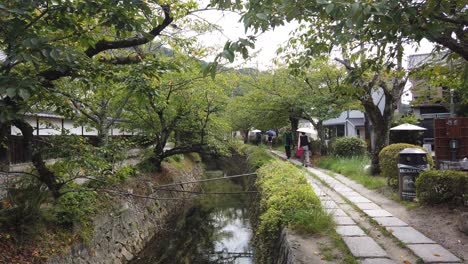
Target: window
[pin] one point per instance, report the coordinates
(340, 131)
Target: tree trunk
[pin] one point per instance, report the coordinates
(158, 155)
(294, 123)
(4, 146)
(157, 162)
(44, 174)
(381, 139)
(102, 138)
(245, 136)
(367, 133)
(380, 127)
(321, 137)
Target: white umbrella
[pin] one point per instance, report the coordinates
(256, 131)
(407, 126)
(306, 130)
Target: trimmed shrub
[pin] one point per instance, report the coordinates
(256, 156)
(286, 199)
(433, 187)
(388, 158)
(349, 147)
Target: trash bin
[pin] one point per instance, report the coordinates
(410, 163)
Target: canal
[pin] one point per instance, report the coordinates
(211, 229)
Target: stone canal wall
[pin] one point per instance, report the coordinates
(286, 250)
(123, 232)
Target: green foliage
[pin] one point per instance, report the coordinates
(256, 156)
(434, 186)
(76, 208)
(21, 209)
(123, 173)
(175, 158)
(286, 199)
(354, 168)
(389, 160)
(349, 147)
(316, 145)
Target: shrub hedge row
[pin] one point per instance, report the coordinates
(446, 186)
(388, 157)
(256, 156)
(348, 147)
(286, 199)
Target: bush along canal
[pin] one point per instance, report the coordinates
(213, 228)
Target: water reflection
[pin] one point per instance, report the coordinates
(215, 230)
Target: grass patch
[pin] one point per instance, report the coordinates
(353, 168)
(341, 246)
(408, 204)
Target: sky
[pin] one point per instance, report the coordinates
(267, 43)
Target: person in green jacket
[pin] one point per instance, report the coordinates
(288, 140)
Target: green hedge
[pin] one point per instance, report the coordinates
(256, 156)
(349, 147)
(435, 186)
(388, 158)
(286, 199)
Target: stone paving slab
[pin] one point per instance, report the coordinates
(344, 189)
(344, 220)
(364, 247)
(389, 221)
(409, 235)
(350, 231)
(325, 198)
(377, 213)
(336, 212)
(433, 253)
(350, 194)
(378, 261)
(358, 199)
(329, 204)
(368, 206)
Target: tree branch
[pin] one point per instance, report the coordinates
(103, 45)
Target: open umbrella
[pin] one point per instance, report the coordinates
(407, 126)
(271, 133)
(256, 130)
(306, 130)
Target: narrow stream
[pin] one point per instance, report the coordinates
(216, 229)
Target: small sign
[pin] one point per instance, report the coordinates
(407, 181)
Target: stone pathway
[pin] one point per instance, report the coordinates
(371, 245)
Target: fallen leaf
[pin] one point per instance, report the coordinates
(406, 262)
(390, 230)
(435, 254)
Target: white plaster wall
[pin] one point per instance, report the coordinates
(50, 126)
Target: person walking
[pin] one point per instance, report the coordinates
(288, 142)
(258, 138)
(303, 142)
(269, 139)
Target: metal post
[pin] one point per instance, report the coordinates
(452, 105)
